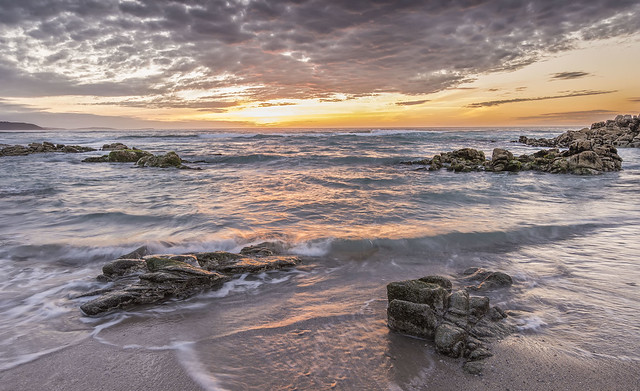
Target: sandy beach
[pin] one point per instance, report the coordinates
(519, 363)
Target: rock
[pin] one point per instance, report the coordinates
(189, 259)
(411, 318)
(44, 147)
(263, 249)
(496, 313)
(450, 339)
(478, 306)
(618, 132)
(123, 267)
(438, 280)
(135, 295)
(96, 159)
(473, 367)
(170, 159)
(417, 291)
(458, 303)
(127, 155)
(114, 146)
(503, 160)
(489, 280)
(460, 326)
(138, 253)
(479, 354)
(162, 276)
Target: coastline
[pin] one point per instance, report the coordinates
(520, 363)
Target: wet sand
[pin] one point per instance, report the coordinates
(520, 363)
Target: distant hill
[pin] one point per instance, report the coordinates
(4, 125)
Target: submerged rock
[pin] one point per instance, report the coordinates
(487, 280)
(459, 324)
(141, 279)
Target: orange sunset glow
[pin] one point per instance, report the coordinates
(139, 64)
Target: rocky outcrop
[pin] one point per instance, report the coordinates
(170, 159)
(460, 325)
(119, 156)
(582, 158)
(113, 147)
(44, 147)
(622, 132)
(120, 153)
(140, 278)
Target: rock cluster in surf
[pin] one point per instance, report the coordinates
(582, 158)
(588, 151)
(139, 278)
(44, 147)
(461, 325)
(121, 153)
(622, 132)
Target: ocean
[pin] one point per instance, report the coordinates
(339, 198)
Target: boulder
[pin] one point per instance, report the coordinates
(170, 159)
(415, 319)
(417, 291)
(126, 155)
(114, 146)
(463, 324)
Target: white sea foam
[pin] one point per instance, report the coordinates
(530, 323)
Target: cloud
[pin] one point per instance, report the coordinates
(267, 104)
(284, 49)
(570, 115)
(569, 75)
(517, 100)
(412, 102)
(634, 99)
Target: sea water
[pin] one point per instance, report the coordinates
(341, 199)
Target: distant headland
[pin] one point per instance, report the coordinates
(4, 125)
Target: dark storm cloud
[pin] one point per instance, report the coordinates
(278, 49)
(491, 103)
(569, 75)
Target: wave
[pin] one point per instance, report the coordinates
(453, 242)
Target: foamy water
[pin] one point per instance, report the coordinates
(361, 220)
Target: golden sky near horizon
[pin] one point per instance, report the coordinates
(248, 63)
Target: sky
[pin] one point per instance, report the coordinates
(317, 63)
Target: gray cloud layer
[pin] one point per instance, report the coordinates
(569, 75)
(517, 100)
(283, 48)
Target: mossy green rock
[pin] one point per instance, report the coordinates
(155, 264)
(126, 155)
(170, 159)
(417, 291)
(123, 267)
(411, 318)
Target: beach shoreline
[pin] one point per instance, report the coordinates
(520, 362)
